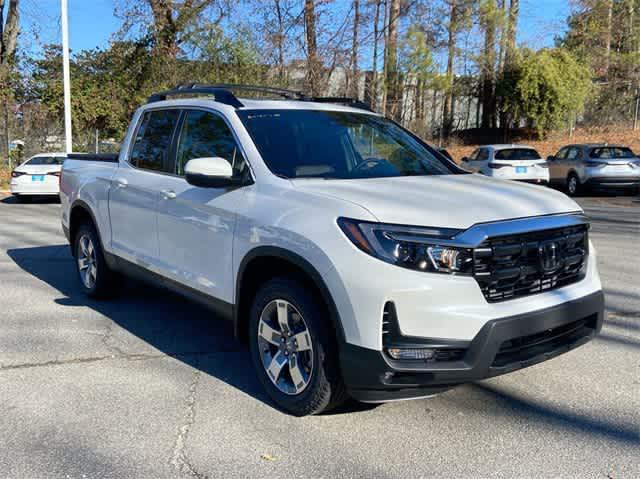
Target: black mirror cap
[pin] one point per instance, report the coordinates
(464, 158)
(205, 181)
(551, 158)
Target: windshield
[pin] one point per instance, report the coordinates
(339, 145)
(515, 154)
(610, 152)
(45, 160)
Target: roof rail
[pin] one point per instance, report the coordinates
(222, 93)
(340, 100)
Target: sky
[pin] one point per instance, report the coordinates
(92, 22)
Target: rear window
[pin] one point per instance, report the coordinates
(514, 154)
(606, 152)
(45, 160)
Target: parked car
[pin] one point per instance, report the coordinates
(39, 175)
(508, 162)
(351, 257)
(579, 167)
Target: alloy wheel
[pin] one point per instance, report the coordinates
(87, 264)
(572, 185)
(285, 347)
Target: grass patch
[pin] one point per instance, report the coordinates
(5, 177)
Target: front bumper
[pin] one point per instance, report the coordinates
(501, 346)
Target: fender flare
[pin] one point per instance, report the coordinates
(305, 266)
(78, 203)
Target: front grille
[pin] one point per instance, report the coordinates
(512, 266)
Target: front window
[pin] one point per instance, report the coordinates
(339, 145)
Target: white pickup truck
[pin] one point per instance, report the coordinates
(353, 258)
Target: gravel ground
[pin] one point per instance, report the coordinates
(150, 385)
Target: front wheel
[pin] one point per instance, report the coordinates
(294, 350)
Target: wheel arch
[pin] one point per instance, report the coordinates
(79, 213)
(252, 272)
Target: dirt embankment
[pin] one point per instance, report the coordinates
(555, 141)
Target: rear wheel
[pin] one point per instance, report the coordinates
(573, 185)
(96, 279)
(294, 349)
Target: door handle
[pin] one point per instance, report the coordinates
(121, 182)
(168, 194)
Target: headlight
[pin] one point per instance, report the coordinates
(412, 247)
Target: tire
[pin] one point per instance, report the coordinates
(573, 185)
(319, 384)
(96, 278)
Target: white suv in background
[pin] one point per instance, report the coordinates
(353, 258)
(39, 175)
(509, 162)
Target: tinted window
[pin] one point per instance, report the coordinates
(45, 160)
(153, 140)
(338, 145)
(474, 155)
(611, 152)
(573, 153)
(514, 154)
(562, 154)
(206, 135)
(483, 155)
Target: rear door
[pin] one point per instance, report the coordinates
(556, 168)
(196, 225)
(135, 189)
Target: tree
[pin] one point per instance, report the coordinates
(351, 86)
(488, 14)
(392, 79)
(8, 40)
(313, 74)
(545, 88)
(172, 24)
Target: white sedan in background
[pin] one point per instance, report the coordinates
(509, 162)
(39, 175)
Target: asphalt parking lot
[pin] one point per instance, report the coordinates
(150, 385)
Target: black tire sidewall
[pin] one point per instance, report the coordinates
(577, 190)
(103, 276)
(325, 375)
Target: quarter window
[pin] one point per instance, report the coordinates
(151, 148)
(206, 135)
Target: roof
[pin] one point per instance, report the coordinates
(504, 146)
(253, 104)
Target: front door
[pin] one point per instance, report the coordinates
(196, 225)
(134, 193)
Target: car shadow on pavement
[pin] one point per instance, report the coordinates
(556, 416)
(163, 320)
(14, 200)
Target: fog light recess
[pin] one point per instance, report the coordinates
(411, 353)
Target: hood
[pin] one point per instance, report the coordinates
(448, 201)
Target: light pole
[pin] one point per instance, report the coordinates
(65, 77)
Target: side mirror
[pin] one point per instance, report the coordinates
(464, 159)
(551, 158)
(213, 172)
